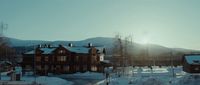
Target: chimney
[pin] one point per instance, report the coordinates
(39, 46)
(89, 44)
(43, 45)
(60, 45)
(49, 46)
(70, 45)
(104, 51)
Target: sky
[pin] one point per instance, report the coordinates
(171, 23)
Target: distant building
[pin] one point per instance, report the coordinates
(64, 59)
(191, 63)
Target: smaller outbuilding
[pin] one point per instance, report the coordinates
(191, 63)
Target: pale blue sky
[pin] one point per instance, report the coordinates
(172, 23)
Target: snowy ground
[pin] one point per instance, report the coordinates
(87, 78)
(86, 75)
(157, 76)
(43, 80)
(132, 76)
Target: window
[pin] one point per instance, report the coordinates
(46, 67)
(52, 68)
(66, 68)
(84, 67)
(58, 67)
(94, 59)
(53, 58)
(84, 60)
(38, 58)
(46, 58)
(196, 69)
(38, 67)
(94, 68)
(101, 58)
(58, 58)
(28, 67)
(61, 58)
(77, 58)
(77, 67)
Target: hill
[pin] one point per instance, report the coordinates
(135, 48)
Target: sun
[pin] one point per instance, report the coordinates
(144, 41)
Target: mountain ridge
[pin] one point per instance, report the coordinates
(107, 42)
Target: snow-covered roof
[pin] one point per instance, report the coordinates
(105, 61)
(30, 52)
(6, 62)
(193, 59)
(47, 50)
(100, 49)
(44, 51)
(77, 49)
(82, 49)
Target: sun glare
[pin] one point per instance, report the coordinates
(144, 41)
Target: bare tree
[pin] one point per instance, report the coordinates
(121, 52)
(6, 52)
(117, 50)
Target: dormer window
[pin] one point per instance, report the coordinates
(196, 61)
(61, 51)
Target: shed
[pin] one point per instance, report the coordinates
(191, 63)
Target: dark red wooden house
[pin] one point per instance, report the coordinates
(64, 59)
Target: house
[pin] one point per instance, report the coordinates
(191, 63)
(64, 59)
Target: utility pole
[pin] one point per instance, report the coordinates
(34, 61)
(128, 43)
(126, 62)
(121, 54)
(2, 28)
(172, 63)
(147, 54)
(132, 44)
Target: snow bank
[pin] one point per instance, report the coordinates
(136, 81)
(152, 81)
(86, 75)
(188, 80)
(52, 81)
(44, 80)
(146, 76)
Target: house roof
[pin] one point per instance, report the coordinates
(44, 51)
(47, 50)
(30, 52)
(193, 59)
(77, 49)
(100, 49)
